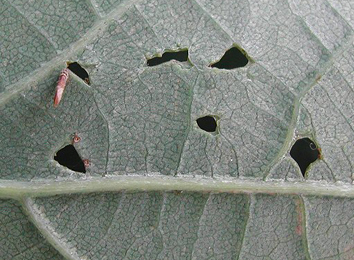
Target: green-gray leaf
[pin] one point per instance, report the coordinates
(157, 186)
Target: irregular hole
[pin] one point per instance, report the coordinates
(207, 123)
(304, 152)
(69, 158)
(167, 56)
(79, 71)
(233, 58)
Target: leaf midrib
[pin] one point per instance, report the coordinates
(18, 190)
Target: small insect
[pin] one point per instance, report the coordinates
(87, 80)
(314, 147)
(76, 138)
(59, 90)
(178, 192)
(86, 163)
(320, 156)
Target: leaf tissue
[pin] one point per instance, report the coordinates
(177, 135)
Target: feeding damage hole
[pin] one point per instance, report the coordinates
(207, 123)
(79, 71)
(69, 158)
(305, 152)
(233, 58)
(167, 56)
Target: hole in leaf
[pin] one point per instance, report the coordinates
(69, 158)
(233, 58)
(304, 152)
(79, 71)
(207, 123)
(167, 56)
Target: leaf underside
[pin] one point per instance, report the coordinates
(140, 121)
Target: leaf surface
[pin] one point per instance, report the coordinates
(235, 193)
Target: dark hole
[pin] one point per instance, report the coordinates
(232, 59)
(167, 56)
(207, 123)
(69, 157)
(304, 152)
(79, 71)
